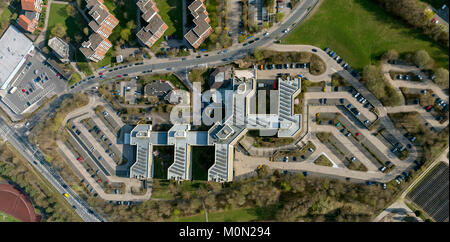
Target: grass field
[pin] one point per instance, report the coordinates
(171, 13)
(360, 31)
(7, 218)
(323, 161)
(235, 215)
(73, 25)
(124, 12)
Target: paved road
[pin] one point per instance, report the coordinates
(161, 65)
(37, 160)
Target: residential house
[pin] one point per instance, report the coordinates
(102, 24)
(96, 47)
(31, 5)
(197, 35)
(29, 18)
(156, 27)
(29, 21)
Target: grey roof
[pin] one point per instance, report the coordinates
(198, 10)
(158, 88)
(226, 133)
(31, 15)
(155, 22)
(14, 48)
(59, 46)
(147, 7)
(94, 41)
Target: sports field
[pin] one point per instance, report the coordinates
(360, 31)
(7, 218)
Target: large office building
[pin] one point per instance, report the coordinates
(201, 30)
(15, 48)
(155, 28)
(60, 48)
(224, 134)
(102, 24)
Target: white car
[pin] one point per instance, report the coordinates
(266, 33)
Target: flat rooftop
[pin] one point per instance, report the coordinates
(15, 46)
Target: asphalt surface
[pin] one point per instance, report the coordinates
(214, 58)
(36, 159)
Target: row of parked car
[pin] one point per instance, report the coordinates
(341, 61)
(406, 77)
(284, 66)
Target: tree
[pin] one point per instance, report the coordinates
(390, 55)
(125, 34)
(131, 24)
(71, 10)
(441, 77)
(86, 31)
(279, 16)
(58, 30)
(421, 58)
(78, 38)
(258, 54)
(241, 38)
(417, 213)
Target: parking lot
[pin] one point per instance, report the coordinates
(347, 108)
(295, 155)
(34, 81)
(271, 71)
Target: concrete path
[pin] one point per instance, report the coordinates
(41, 39)
(397, 212)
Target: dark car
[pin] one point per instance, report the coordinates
(314, 50)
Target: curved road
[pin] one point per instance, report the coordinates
(180, 65)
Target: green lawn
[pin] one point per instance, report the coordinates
(235, 215)
(7, 218)
(323, 161)
(124, 12)
(73, 25)
(5, 14)
(171, 13)
(360, 32)
(74, 79)
(161, 191)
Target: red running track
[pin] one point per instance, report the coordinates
(16, 204)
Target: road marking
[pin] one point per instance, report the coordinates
(333, 69)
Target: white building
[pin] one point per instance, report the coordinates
(14, 49)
